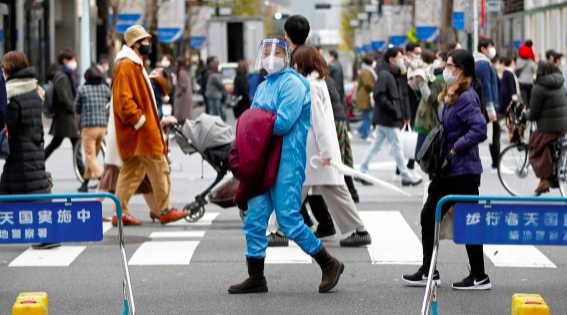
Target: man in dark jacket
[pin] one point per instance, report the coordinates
(204, 78)
(64, 91)
(487, 75)
(336, 70)
(391, 111)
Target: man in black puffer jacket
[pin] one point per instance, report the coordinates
(391, 111)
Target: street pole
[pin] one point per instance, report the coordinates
(85, 38)
(475, 25)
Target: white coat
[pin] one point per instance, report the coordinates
(322, 138)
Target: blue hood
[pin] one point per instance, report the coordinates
(303, 80)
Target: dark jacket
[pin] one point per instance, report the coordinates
(241, 88)
(3, 101)
(336, 100)
(548, 105)
(336, 70)
(506, 91)
(24, 171)
(391, 104)
(255, 155)
(64, 123)
(465, 129)
(158, 93)
(487, 75)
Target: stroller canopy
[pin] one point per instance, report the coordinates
(207, 132)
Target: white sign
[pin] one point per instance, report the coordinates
(402, 14)
(171, 21)
(362, 16)
(371, 8)
(493, 6)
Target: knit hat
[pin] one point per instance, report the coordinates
(134, 33)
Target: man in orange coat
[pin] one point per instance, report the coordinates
(138, 131)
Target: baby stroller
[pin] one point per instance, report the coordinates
(212, 138)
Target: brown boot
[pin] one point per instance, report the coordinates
(332, 269)
(256, 282)
(543, 187)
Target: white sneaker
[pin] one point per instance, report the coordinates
(414, 174)
(493, 171)
(350, 135)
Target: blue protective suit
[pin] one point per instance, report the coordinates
(285, 93)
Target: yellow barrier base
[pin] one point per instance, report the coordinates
(31, 303)
(529, 304)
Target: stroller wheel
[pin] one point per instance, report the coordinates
(195, 213)
(242, 215)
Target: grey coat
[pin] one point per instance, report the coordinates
(215, 88)
(64, 123)
(526, 68)
(548, 105)
(183, 97)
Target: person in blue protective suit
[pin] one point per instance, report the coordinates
(286, 93)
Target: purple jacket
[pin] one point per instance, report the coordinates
(465, 128)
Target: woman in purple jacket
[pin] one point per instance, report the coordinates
(465, 128)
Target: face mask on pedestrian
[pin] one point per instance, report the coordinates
(145, 50)
(165, 63)
(276, 66)
(399, 63)
(416, 57)
(72, 65)
(491, 52)
(436, 64)
(449, 78)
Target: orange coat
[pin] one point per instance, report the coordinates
(138, 130)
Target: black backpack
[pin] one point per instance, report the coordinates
(433, 158)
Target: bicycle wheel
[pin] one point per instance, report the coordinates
(561, 165)
(78, 155)
(515, 172)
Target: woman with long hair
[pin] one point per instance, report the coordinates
(464, 121)
(322, 141)
(183, 103)
(548, 107)
(241, 88)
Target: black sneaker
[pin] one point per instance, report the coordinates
(355, 197)
(363, 182)
(419, 279)
(357, 239)
(46, 245)
(325, 234)
(473, 283)
(277, 240)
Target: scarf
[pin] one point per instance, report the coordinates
(369, 68)
(69, 73)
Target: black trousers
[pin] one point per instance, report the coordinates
(526, 91)
(495, 146)
(439, 188)
(56, 143)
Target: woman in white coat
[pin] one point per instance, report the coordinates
(322, 141)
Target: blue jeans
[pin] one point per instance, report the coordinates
(364, 128)
(392, 134)
(216, 108)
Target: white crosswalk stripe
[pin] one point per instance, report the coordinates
(394, 242)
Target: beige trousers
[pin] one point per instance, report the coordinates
(132, 174)
(92, 138)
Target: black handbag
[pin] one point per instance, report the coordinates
(4, 145)
(433, 158)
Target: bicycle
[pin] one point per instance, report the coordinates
(514, 168)
(78, 154)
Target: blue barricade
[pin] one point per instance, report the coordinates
(29, 219)
(512, 223)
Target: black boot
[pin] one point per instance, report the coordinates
(84, 187)
(332, 269)
(350, 185)
(305, 215)
(256, 282)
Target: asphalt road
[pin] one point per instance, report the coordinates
(187, 268)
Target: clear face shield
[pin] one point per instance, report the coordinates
(273, 55)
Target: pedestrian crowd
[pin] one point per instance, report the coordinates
(294, 113)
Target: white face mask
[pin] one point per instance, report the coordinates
(165, 63)
(436, 64)
(449, 78)
(400, 63)
(416, 56)
(277, 65)
(72, 65)
(491, 52)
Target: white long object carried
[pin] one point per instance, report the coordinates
(345, 170)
